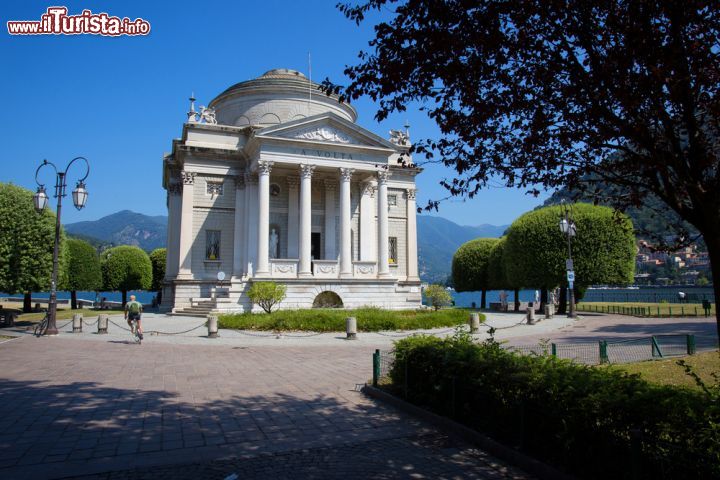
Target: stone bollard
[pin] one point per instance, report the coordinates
(474, 323)
(77, 323)
(212, 324)
(102, 323)
(351, 328)
(549, 311)
(531, 316)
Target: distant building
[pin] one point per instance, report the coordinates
(276, 181)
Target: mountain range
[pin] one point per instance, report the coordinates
(438, 238)
(123, 228)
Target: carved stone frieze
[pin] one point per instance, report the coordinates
(323, 133)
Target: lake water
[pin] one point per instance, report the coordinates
(465, 299)
(142, 296)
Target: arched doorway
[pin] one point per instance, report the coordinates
(328, 299)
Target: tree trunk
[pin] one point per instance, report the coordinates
(517, 299)
(73, 299)
(124, 298)
(27, 302)
(159, 297)
(483, 297)
(713, 245)
(543, 299)
(562, 301)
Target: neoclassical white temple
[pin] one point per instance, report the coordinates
(276, 181)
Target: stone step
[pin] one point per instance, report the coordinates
(183, 313)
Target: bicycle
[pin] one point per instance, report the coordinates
(42, 327)
(134, 331)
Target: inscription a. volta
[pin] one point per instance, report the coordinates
(325, 154)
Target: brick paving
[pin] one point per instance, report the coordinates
(83, 409)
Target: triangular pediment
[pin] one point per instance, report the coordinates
(325, 128)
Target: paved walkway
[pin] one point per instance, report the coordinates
(179, 330)
(185, 406)
(168, 410)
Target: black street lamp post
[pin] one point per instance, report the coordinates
(568, 228)
(40, 199)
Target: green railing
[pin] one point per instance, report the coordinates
(666, 310)
(590, 353)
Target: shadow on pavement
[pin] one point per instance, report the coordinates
(54, 430)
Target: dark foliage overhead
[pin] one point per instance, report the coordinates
(557, 92)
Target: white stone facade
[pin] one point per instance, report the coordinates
(286, 187)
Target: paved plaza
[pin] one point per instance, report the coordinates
(185, 406)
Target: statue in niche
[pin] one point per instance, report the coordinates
(273, 244)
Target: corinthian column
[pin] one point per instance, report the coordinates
(412, 256)
(345, 226)
(175, 189)
(239, 230)
(330, 247)
(186, 221)
(306, 172)
(264, 168)
(382, 201)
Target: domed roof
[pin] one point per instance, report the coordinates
(277, 96)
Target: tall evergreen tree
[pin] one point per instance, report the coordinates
(83, 269)
(26, 244)
(470, 267)
(126, 268)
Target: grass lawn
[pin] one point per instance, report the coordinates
(62, 314)
(646, 309)
(333, 320)
(668, 372)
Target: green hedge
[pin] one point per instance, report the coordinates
(592, 422)
(333, 320)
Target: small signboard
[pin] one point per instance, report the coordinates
(570, 276)
(569, 264)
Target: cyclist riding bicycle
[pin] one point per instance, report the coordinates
(133, 311)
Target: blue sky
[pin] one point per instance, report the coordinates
(120, 101)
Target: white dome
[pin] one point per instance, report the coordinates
(278, 96)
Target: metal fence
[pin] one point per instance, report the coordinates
(590, 353)
(652, 295)
(660, 310)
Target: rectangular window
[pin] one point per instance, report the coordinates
(392, 200)
(214, 188)
(392, 250)
(212, 245)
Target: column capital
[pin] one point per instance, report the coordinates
(346, 174)
(250, 178)
(383, 176)
(264, 167)
(306, 171)
(188, 178)
(293, 181)
(239, 182)
(330, 185)
(367, 188)
(410, 192)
